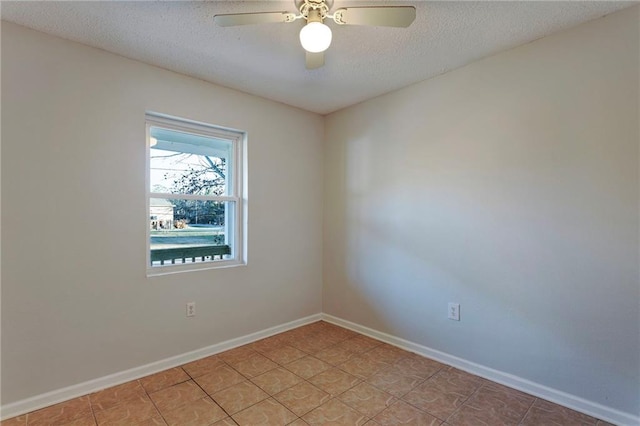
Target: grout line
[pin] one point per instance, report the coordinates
(465, 401)
(93, 413)
(152, 401)
(528, 410)
(209, 396)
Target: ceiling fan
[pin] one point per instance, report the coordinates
(315, 36)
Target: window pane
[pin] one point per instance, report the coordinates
(187, 231)
(186, 163)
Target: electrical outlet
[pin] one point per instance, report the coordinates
(454, 311)
(191, 309)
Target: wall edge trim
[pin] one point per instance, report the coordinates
(64, 394)
(582, 405)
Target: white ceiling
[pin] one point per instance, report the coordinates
(267, 60)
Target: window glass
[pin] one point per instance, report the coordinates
(182, 163)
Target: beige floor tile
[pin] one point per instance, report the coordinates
(219, 377)
(419, 366)
(492, 404)
(285, 338)
(395, 380)
(360, 343)
(313, 328)
(452, 378)
(225, 422)
(317, 326)
(254, 365)
(324, 335)
(154, 421)
(265, 413)
(173, 397)
(82, 421)
(305, 329)
(201, 412)
(388, 353)
(550, 414)
(378, 356)
(266, 344)
(367, 399)
(15, 421)
(202, 366)
(61, 413)
(334, 355)
(311, 344)
(129, 412)
(307, 366)
(164, 379)
(331, 338)
(401, 413)
(110, 397)
(334, 413)
(362, 366)
(298, 422)
(276, 380)
(284, 354)
(233, 356)
(444, 393)
(238, 397)
(302, 398)
(435, 402)
(326, 340)
(334, 381)
(297, 334)
(339, 333)
(470, 416)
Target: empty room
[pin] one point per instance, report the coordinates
(320, 212)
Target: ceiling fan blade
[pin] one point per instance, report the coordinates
(314, 60)
(233, 19)
(384, 16)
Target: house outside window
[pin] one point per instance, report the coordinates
(194, 195)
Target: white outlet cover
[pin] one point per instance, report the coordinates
(454, 311)
(191, 309)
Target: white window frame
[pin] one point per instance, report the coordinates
(238, 140)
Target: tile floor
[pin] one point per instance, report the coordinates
(318, 374)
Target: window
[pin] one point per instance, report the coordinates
(194, 195)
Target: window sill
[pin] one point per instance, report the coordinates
(193, 267)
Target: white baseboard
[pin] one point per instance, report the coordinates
(571, 401)
(579, 404)
(65, 394)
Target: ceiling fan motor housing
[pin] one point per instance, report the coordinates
(314, 16)
(309, 8)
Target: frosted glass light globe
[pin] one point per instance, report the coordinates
(315, 37)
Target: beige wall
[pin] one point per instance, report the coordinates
(76, 304)
(511, 187)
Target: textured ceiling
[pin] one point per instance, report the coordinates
(267, 60)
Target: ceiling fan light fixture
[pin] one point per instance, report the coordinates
(315, 37)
